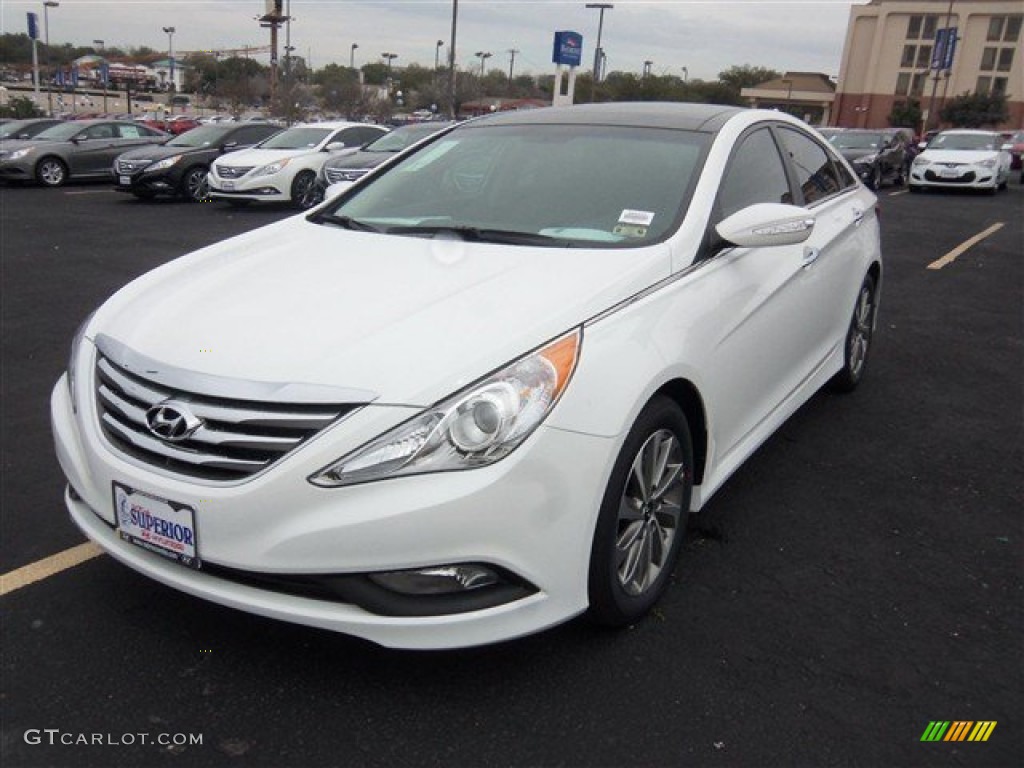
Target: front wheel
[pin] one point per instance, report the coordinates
(858, 339)
(193, 185)
(876, 179)
(304, 193)
(51, 172)
(643, 516)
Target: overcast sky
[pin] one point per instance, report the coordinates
(704, 36)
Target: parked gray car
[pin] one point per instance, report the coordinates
(76, 149)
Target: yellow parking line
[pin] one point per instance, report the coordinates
(952, 256)
(47, 567)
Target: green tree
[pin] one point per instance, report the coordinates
(906, 114)
(976, 110)
(737, 78)
(20, 108)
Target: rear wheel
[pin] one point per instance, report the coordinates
(193, 184)
(858, 339)
(304, 194)
(51, 172)
(643, 516)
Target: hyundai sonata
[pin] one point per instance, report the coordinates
(480, 391)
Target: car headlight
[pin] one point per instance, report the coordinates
(20, 153)
(76, 345)
(267, 170)
(991, 162)
(921, 160)
(473, 428)
(164, 164)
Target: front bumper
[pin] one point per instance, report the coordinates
(961, 177)
(155, 183)
(531, 515)
(17, 170)
(270, 188)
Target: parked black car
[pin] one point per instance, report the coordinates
(350, 167)
(179, 167)
(876, 156)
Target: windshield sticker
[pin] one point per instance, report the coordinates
(630, 230)
(640, 218)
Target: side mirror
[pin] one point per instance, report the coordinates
(763, 225)
(922, 144)
(334, 146)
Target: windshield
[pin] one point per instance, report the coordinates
(400, 138)
(203, 136)
(849, 140)
(297, 138)
(61, 131)
(13, 127)
(570, 184)
(969, 141)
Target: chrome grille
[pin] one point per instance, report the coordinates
(237, 438)
(231, 171)
(124, 166)
(334, 175)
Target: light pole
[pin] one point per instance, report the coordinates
(46, 35)
(686, 75)
(170, 51)
(647, 68)
(390, 57)
(352, 56)
(483, 56)
(602, 7)
(437, 54)
(98, 44)
(451, 62)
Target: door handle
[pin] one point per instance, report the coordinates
(858, 216)
(810, 256)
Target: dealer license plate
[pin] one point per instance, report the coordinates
(950, 173)
(159, 525)
(125, 181)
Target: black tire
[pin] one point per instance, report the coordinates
(51, 172)
(642, 522)
(193, 185)
(858, 338)
(875, 183)
(304, 194)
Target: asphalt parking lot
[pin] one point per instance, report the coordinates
(860, 577)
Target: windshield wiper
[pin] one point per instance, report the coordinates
(477, 235)
(347, 222)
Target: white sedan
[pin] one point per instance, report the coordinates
(284, 167)
(480, 392)
(962, 159)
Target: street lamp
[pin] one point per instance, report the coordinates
(170, 51)
(437, 54)
(686, 75)
(647, 68)
(483, 56)
(390, 57)
(602, 7)
(46, 36)
(352, 56)
(98, 44)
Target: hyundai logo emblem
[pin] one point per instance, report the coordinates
(171, 420)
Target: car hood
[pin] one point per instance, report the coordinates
(256, 157)
(159, 152)
(856, 154)
(408, 319)
(361, 160)
(959, 155)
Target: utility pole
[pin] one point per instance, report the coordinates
(451, 62)
(511, 64)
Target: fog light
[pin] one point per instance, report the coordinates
(437, 580)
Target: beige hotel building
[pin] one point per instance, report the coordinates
(888, 58)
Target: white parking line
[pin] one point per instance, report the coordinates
(899, 192)
(88, 191)
(950, 257)
(47, 567)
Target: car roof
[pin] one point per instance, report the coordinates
(328, 124)
(686, 117)
(970, 132)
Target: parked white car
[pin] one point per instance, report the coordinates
(962, 159)
(481, 391)
(284, 167)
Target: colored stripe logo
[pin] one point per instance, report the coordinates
(958, 730)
